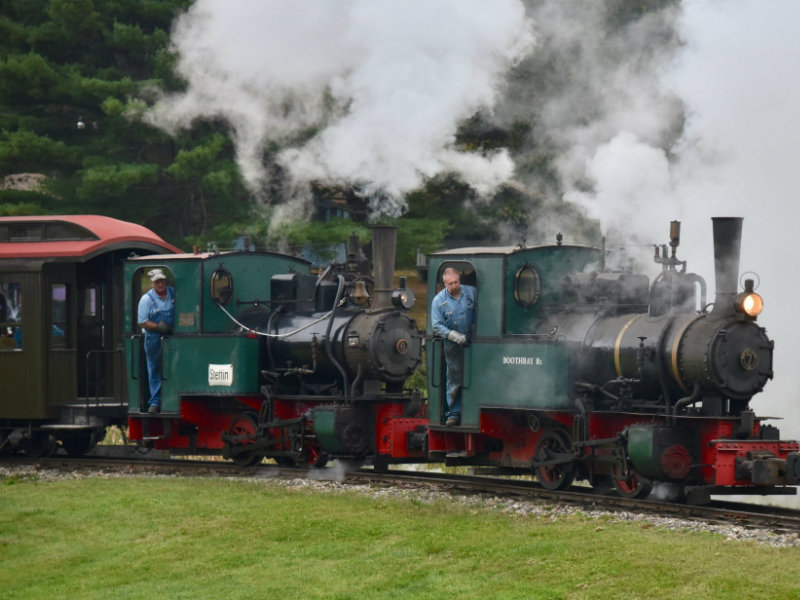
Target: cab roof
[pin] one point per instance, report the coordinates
(217, 254)
(501, 250)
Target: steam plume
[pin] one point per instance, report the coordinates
(363, 92)
(687, 112)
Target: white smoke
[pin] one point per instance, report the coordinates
(738, 76)
(630, 177)
(359, 92)
(737, 83)
(602, 108)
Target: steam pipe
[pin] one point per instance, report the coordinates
(321, 278)
(695, 278)
(356, 381)
(328, 347)
(693, 397)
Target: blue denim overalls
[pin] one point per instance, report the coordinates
(160, 310)
(458, 314)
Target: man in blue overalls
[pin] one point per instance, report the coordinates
(156, 317)
(453, 312)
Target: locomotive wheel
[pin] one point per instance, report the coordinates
(558, 476)
(630, 485)
(39, 445)
(245, 425)
(602, 484)
(78, 445)
(316, 458)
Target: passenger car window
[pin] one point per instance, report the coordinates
(10, 316)
(59, 315)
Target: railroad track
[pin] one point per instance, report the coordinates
(775, 519)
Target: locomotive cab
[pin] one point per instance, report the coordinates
(516, 289)
(210, 365)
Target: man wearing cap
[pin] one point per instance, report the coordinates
(453, 317)
(156, 317)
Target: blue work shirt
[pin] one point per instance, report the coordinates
(450, 313)
(153, 308)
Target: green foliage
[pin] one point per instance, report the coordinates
(452, 208)
(71, 75)
(25, 78)
(26, 151)
(138, 46)
(322, 238)
(76, 19)
(194, 163)
(224, 183)
(418, 379)
(113, 107)
(425, 235)
(96, 88)
(224, 234)
(113, 181)
(18, 209)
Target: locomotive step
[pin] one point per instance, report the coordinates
(454, 429)
(160, 415)
(459, 454)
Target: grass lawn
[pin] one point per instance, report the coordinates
(120, 538)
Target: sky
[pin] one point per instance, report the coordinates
(689, 112)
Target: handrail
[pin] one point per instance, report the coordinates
(96, 354)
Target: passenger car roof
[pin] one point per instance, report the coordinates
(75, 236)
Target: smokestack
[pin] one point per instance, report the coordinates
(384, 243)
(727, 245)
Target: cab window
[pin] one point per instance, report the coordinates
(465, 269)
(141, 285)
(468, 276)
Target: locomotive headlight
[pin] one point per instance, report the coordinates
(748, 301)
(403, 297)
(750, 304)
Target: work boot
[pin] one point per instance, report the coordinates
(154, 409)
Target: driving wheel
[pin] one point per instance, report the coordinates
(244, 430)
(552, 470)
(628, 484)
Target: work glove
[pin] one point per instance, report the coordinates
(458, 338)
(163, 328)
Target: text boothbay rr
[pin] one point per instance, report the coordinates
(522, 360)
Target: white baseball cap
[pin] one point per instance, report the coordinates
(156, 274)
